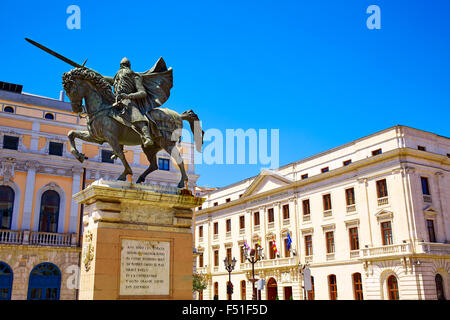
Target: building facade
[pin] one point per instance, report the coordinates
(370, 220)
(40, 232)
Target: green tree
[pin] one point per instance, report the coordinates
(199, 282)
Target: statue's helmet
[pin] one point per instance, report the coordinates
(125, 63)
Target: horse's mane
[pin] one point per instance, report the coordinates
(94, 77)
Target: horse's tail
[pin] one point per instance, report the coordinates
(196, 127)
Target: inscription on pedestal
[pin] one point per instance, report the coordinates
(144, 267)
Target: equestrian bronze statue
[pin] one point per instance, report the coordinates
(131, 114)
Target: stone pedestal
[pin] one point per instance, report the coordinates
(137, 242)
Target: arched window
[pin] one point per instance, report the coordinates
(49, 116)
(243, 291)
(6, 206)
(332, 286)
(357, 286)
(44, 282)
(48, 219)
(6, 280)
(439, 287)
(392, 288)
(9, 109)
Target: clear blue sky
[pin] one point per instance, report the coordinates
(311, 69)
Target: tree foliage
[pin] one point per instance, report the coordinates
(199, 282)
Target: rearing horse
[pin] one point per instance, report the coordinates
(105, 126)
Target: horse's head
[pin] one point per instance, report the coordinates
(82, 83)
(74, 90)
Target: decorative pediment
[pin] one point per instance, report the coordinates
(384, 214)
(265, 181)
(430, 210)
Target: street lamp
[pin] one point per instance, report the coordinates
(252, 259)
(230, 268)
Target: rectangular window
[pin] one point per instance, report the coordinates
(215, 204)
(228, 223)
(354, 239)
(163, 164)
(55, 148)
(304, 176)
(347, 162)
(286, 250)
(306, 207)
(430, 228)
(242, 222)
(350, 196)
(227, 199)
(270, 216)
(308, 245)
(216, 228)
(386, 232)
(271, 251)
(200, 232)
(286, 211)
(421, 148)
(10, 142)
(330, 241)
(200, 260)
(382, 188)
(106, 156)
(216, 258)
(229, 255)
(376, 152)
(256, 218)
(326, 169)
(242, 254)
(425, 186)
(326, 202)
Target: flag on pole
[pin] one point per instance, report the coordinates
(289, 241)
(275, 251)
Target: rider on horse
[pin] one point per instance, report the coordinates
(135, 100)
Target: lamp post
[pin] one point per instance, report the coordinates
(252, 259)
(230, 268)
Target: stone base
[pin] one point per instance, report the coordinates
(137, 242)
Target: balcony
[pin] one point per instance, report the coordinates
(351, 208)
(354, 254)
(241, 231)
(257, 227)
(389, 250)
(25, 237)
(383, 201)
(215, 236)
(286, 222)
(270, 225)
(306, 217)
(327, 213)
(269, 263)
(435, 248)
(330, 256)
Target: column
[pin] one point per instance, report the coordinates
(76, 182)
(31, 167)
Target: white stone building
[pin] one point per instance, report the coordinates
(370, 218)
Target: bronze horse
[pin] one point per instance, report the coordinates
(104, 125)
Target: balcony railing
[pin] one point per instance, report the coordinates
(383, 201)
(286, 222)
(270, 225)
(327, 213)
(351, 208)
(306, 217)
(25, 237)
(270, 263)
(330, 256)
(393, 249)
(354, 254)
(434, 247)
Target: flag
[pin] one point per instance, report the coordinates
(247, 246)
(275, 251)
(289, 241)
